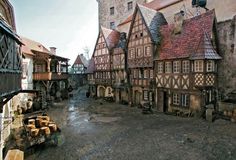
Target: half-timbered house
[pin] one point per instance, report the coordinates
(50, 71)
(102, 56)
(186, 64)
(143, 40)
(10, 69)
(119, 71)
(92, 90)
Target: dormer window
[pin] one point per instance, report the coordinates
(112, 25)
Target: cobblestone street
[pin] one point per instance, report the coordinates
(96, 130)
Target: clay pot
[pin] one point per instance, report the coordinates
(45, 130)
(34, 132)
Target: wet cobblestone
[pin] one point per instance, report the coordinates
(130, 135)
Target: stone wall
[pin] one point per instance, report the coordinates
(227, 49)
(121, 11)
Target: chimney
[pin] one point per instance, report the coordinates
(178, 18)
(53, 50)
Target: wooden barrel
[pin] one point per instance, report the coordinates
(225, 113)
(31, 121)
(46, 118)
(34, 132)
(44, 123)
(53, 127)
(45, 130)
(230, 113)
(30, 126)
(38, 122)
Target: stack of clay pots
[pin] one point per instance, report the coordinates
(41, 125)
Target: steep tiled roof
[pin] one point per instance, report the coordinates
(81, 60)
(186, 43)
(91, 66)
(111, 37)
(33, 46)
(160, 4)
(155, 5)
(153, 20)
(205, 50)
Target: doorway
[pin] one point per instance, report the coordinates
(165, 102)
(137, 97)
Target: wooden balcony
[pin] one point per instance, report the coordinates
(49, 76)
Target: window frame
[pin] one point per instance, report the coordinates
(168, 67)
(130, 5)
(146, 53)
(210, 68)
(198, 66)
(186, 66)
(112, 25)
(176, 99)
(176, 67)
(145, 95)
(112, 11)
(160, 68)
(185, 100)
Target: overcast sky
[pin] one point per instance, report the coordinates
(68, 25)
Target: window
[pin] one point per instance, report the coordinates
(176, 98)
(160, 67)
(145, 73)
(130, 6)
(139, 74)
(131, 54)
(24, 70)
(135, 74)
(112, 25)
(198, 66)
(139, 52)
(168, 68)
(176, 67)
(185, 100)
(112, 11)
(210, 66)
(151, 73)
(186, 67)
(147, 51)
(145, 95)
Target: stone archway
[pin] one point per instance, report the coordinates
(101, 91)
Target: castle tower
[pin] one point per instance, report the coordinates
(113, 12)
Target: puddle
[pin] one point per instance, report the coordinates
(103, 119)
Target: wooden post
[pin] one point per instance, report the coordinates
(49, 65)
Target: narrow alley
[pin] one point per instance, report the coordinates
(93, 129)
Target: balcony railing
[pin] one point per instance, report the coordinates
(50, 76)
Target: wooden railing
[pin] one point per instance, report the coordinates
(50, 76)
